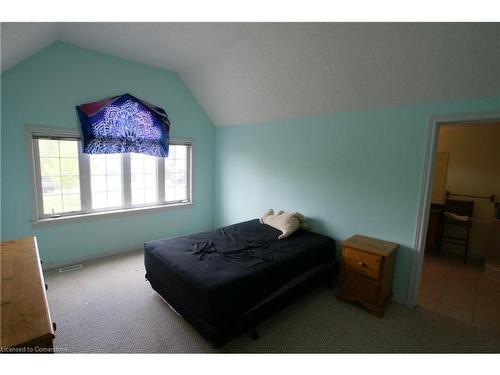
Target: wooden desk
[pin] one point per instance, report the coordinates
(26, 323)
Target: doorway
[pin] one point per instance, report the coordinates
(455, 268)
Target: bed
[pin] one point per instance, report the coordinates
(225, 281)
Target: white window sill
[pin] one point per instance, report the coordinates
(106, 214)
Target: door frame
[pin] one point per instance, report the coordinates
(426, 190)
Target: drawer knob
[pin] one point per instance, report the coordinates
(361, 264)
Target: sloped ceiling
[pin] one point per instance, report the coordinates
(250, 72)
(21, 40)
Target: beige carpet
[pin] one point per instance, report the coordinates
(109, 307)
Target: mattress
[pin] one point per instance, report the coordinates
(221, 275)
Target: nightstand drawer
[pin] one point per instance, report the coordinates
(365, 289)
(363, 263)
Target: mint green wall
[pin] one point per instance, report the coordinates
(44, 90)
(350, 173)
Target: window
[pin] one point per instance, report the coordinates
(69, 183)
(59, 175)
(106, 181)
(143, 173)
(176, 174)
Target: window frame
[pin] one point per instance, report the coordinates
(38, 215)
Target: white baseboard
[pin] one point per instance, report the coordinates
(105, 254)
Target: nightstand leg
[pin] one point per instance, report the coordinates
(376, 313)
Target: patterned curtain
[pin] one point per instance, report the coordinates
(123, 124)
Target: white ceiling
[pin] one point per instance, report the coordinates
(250, 72)
(21, 40)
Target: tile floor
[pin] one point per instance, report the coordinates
(460, 291)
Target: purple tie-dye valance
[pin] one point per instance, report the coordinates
(124, 124)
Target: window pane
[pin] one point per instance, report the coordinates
(172, 151)
(60, 175)
(51, 185)
(69, 149)
(176, 170)
(169, 164)
(136, 164)
(71, 202)
(52, 204)
(150, 166)
(70, 185)
(48, 148)
(180, 192)
(169, 180)
(137, 182)
(98, 183)
(144, 182)
(180, 152)
(169, 194)
(180, 179)
(50, 166)
(99, 200)
(114, 164)
(97, 164)
(150, 181)
(106, 180)
(138, 197)
(69, 166)
(114, 182)
(149, 195)
(115, 198)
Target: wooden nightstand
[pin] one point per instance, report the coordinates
(367, 272)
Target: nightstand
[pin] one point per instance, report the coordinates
(367, 272)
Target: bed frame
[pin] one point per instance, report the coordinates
(220, 335)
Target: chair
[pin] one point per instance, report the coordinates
(462, 208)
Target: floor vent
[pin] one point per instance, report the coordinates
(74, 267)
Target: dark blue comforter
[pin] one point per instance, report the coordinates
(220, 275)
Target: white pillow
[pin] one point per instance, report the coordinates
(286, 222)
